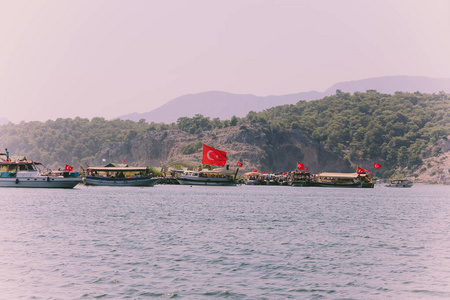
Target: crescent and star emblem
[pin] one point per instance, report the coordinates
(209, 157)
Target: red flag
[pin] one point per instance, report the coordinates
(239, 164)
(306, 169)
(254, 170)
(368, 172)
(213, 156)
(69, 168)
(300, 166)
(123, 160)
(360, 170)
(376, 166)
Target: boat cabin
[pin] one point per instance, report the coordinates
(118, 172)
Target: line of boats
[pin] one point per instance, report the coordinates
(20, 172)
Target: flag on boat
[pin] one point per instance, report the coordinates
(239, 164)
(254, 170)
(368, 172)
(300, 166)
(376, 166)
(213, 156)
(360, 170)
(69, 168)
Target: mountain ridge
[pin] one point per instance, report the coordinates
(224, 105)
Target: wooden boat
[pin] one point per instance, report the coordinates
(218, 177)
(18, 172)
(299, 178)
(253, 178)
(119, 176)
(347, 180)
(402, 183)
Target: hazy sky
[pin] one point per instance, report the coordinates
(62, 59)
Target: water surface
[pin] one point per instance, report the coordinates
(243, 242)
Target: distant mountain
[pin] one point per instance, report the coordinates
(224, 105)
(215, 104)
(392, 84)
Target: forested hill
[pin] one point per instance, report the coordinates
(352, 129)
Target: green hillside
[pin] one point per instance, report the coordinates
(393, 130)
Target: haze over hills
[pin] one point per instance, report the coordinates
(3, 121)
(223, 105)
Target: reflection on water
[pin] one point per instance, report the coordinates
(244, 242)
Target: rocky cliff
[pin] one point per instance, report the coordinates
(264, 149)
(436, 167)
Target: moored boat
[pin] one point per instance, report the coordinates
(402, 183)
(18, 172)
(218, 177)
(119, 176)
(347, 180)
(253, 178)
(299, 178)
(224, 176)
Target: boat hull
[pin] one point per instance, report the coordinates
(40, 182)
(400, 185)
(300, 183)
(206, 181)
(346, 185)
(106, 181)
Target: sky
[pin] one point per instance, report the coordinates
(106, 58)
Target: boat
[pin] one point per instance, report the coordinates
(218, 177)
(299, 178)
(347, 180)
(119, 176)
(402, 183)
(19, 172)
(253, 178)
(222, 176)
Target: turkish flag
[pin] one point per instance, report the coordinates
(368, 172)
(360, 170)
(69, 168)
(213, 156)
(376, 166)
(300, 166)
(254, 170)
(239, 164)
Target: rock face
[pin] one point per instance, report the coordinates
(272, 150)
(436, 168)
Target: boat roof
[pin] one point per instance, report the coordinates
(116, 169)
(253, 174)
(218, 170)
(342, 175)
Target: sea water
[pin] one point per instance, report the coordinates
(243, 242)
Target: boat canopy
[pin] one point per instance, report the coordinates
(252, 174)
(219, 171)
(115, 169)
(341, 175)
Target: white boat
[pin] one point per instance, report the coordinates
(119, 176)
(403, 183)
(18, 172)
(216, 177)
